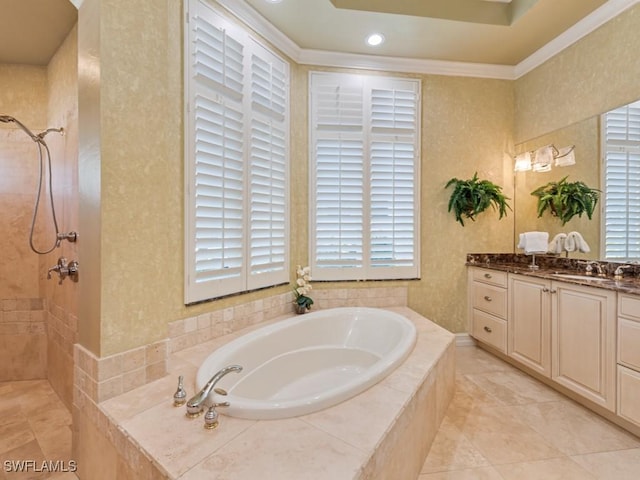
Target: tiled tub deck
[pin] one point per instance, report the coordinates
(385, 432)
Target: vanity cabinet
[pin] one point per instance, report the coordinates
(629, 358)
(583, 321)
(563, 331)
(529, 320)
(488, 307)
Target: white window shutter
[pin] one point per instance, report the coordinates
(621, 145)
(268, 169)
(236, 159)
(364, 155)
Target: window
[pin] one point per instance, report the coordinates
(364, 142)
(621, 146)
(236, 159)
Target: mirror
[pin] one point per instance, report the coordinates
(585, 135)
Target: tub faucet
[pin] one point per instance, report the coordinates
(195, 406)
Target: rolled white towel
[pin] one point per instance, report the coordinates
(578, 241)
(557, 244)
(534, 242)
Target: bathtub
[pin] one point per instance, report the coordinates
(309, 362)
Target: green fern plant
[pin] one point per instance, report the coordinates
(565, 200)
(474, 196)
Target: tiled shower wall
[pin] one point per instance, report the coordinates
(38, 317)
(22, 321)
(61, 299)
(23, 340)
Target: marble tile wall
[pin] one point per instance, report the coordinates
(62, 298)
(23, 341)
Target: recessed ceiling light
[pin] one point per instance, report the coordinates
(375, 39)
(274, 1)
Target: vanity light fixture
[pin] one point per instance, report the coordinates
(540, 160)
(523, 162)
(375, 39)
(543, 159)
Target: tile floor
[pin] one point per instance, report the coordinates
(504, 425)
(35, 427)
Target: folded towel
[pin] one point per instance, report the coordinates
(577, 241)
(534, 242)
(557, 244)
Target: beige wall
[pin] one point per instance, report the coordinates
(594, 75)
(559, 102)
(467, 126)
(138, 221)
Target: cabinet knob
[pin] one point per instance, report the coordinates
(487, 275)
(553, 290)
(487, 329)
(545, 289)
(488, 298)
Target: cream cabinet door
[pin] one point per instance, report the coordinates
(583, 322)
(529, 332)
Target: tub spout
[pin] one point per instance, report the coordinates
(195, 406)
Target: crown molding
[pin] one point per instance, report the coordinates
(250, 16)
(588, 24)
(247, 14)
(405, 65)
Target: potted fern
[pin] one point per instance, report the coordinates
(474, 196)
(564, 199)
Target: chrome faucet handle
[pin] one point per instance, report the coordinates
(211, 417)
(180, 397)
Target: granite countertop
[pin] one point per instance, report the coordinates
(549, 267)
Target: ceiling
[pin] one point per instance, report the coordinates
(32, 30)
(495, 32)
(499, 32)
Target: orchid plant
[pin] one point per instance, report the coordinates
(303, 287)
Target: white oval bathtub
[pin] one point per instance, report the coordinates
(309, 362)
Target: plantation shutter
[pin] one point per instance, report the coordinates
(268, 169)
(236, 150)
(621, 144)
(364, 159)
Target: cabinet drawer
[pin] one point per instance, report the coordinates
(490, 299)
(493, 277)
(629, 343)
(629, 306)
(490, 330)
(628, 394)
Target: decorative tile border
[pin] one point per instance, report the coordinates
(107, 377)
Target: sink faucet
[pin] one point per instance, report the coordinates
(617, 275)
(599, 268)
(196, 404)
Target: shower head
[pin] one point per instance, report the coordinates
(7, 119)
(36, 138)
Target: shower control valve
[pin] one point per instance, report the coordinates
(64, 270)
